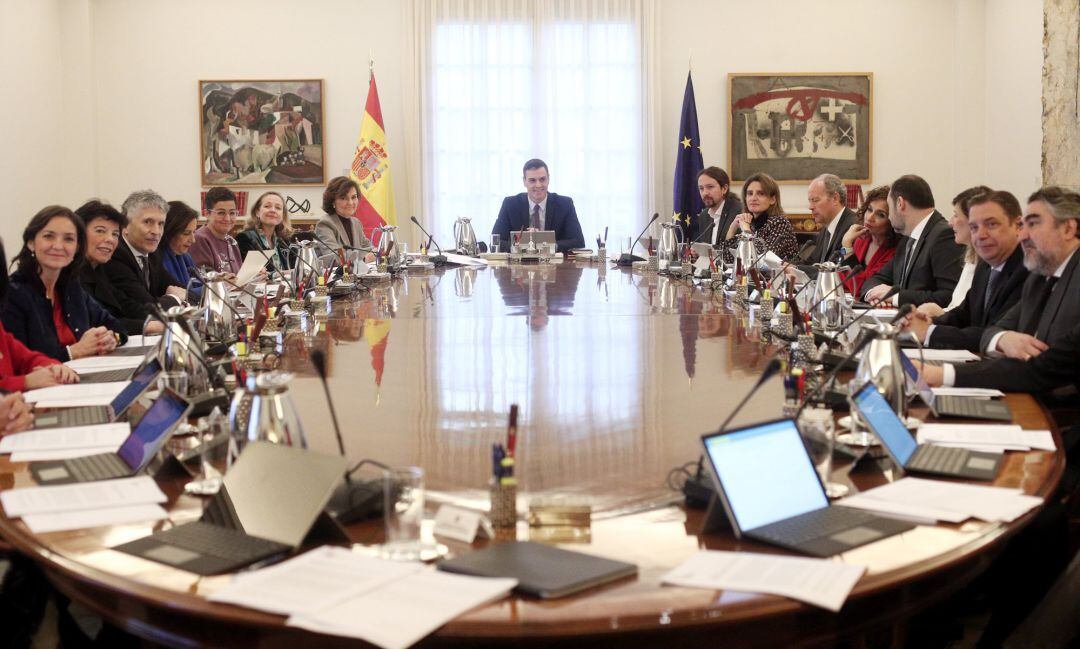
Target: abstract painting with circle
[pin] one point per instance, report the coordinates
(795, 127)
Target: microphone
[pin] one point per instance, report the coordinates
(351, 501)
(862, 342)
(628, 258)
(438, 259)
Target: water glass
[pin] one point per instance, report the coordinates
(176, 381)
(819, 436)
(403, 494)
(495, 241)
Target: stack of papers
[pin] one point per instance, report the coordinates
(75, 394)
(254, 261)
(942, 355)
(336, 591)
(104, 363)
(821, 582)
(90, 504)
(978, 393)
(937, 500)
(142, 341)
(982, 437)
(63, 443)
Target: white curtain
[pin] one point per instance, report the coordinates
(501, 81)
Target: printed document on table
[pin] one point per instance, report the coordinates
(104, 363)
(61, 454)
(979, 393)
(402, 612)
(103, 494)
(142, 341)
(984, 436)
(52, 439)
(254, 261)
(991, 504)
(60, 521)
(821, 582)
(75, 395)
(312, 582)
(943, 355)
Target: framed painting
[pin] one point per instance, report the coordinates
(795, 127)
(256, 133)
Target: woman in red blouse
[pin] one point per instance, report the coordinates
(872, 238)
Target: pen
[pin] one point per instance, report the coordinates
(605, 234)
(511, 431)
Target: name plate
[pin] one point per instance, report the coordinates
(462, 524)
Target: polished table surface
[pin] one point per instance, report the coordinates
(617, 374)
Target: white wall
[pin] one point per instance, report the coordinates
(110, 86)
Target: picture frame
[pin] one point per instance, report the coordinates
(797, 126)
(258, 133)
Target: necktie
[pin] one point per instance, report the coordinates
(991, 287)
(826, 242)
(909, 260)
(1046, 314)
(534, 222)
(144, 267)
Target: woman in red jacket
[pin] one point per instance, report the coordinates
(871, 239)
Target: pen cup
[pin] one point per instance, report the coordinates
(783, 324)
(740, 294)
(503, 504)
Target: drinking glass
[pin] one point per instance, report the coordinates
(819, 436)
(495, 241)
(403, 512)
(177, 381)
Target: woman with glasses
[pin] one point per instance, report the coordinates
(214, 247)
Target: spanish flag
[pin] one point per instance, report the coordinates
(371, 167)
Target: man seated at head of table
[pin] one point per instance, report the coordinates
(994, 224)
(46, 307)
(214, 247)
(1048, 311)
(538, 209)
(764, 219)
(137, 276)
(928, 262)
(827, 198)
(721, 206)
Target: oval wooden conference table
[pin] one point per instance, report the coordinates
(618, 374)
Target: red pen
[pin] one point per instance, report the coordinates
(511, 431)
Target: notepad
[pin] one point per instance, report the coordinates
(821, 582)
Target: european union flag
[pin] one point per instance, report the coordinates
(688, 165)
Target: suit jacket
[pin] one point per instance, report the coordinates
(249, 240)
(963, 326)
(1056, 367)
(823, 251)
(938, 260)
(97, 285)
(1050, 319)
(330, 235)
(732, 207)
(135, 298)
(28, 315)
(560, 217)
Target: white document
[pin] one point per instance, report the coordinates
(982, 393)
(75, 394)
(61, 454)
(947, 501)
(142, 341)
(402, 612)
(104, 494)
(254, 261)
(60, 521)
(821, 582)
(103, 363)
(464, 260)
(943, 355)
(980, 436)
(52, 439)
(312, 582)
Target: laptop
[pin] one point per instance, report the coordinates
(920, 458)
(953, 405)
(134, 455)
(267, 504)
(143, 380)
(771, 493)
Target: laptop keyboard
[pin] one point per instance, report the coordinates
(961, 407)
(938, 459)
(221, 542)
(103, 466)
(107, 376)
(813, 525)
(84, 416)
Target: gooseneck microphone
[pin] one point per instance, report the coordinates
(628, 258)
(770, 370)
(438, 259)
(353, 500)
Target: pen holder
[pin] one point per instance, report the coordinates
(503, 504)
(654, 264)
(805, 349)
(765, 313)
(783, 324)
(718, 284)
(321, 290)
(601, 255)
(740, 294)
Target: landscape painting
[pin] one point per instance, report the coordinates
(795, 127)
(262, 132)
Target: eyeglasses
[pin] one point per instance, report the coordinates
(230, 213)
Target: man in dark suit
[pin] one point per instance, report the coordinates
(538, 209)
(721, 206)
(994, 221)
(138, 277)
(828, 204)
(928, 262)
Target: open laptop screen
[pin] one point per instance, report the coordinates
(765, 473)
(142, 380)
(152, 430)
(885, 424)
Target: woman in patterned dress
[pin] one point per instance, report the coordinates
(764, 218)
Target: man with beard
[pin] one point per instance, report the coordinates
(721, 206)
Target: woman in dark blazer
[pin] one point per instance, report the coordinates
(176, 241)
(268, 230)
(46, 307)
